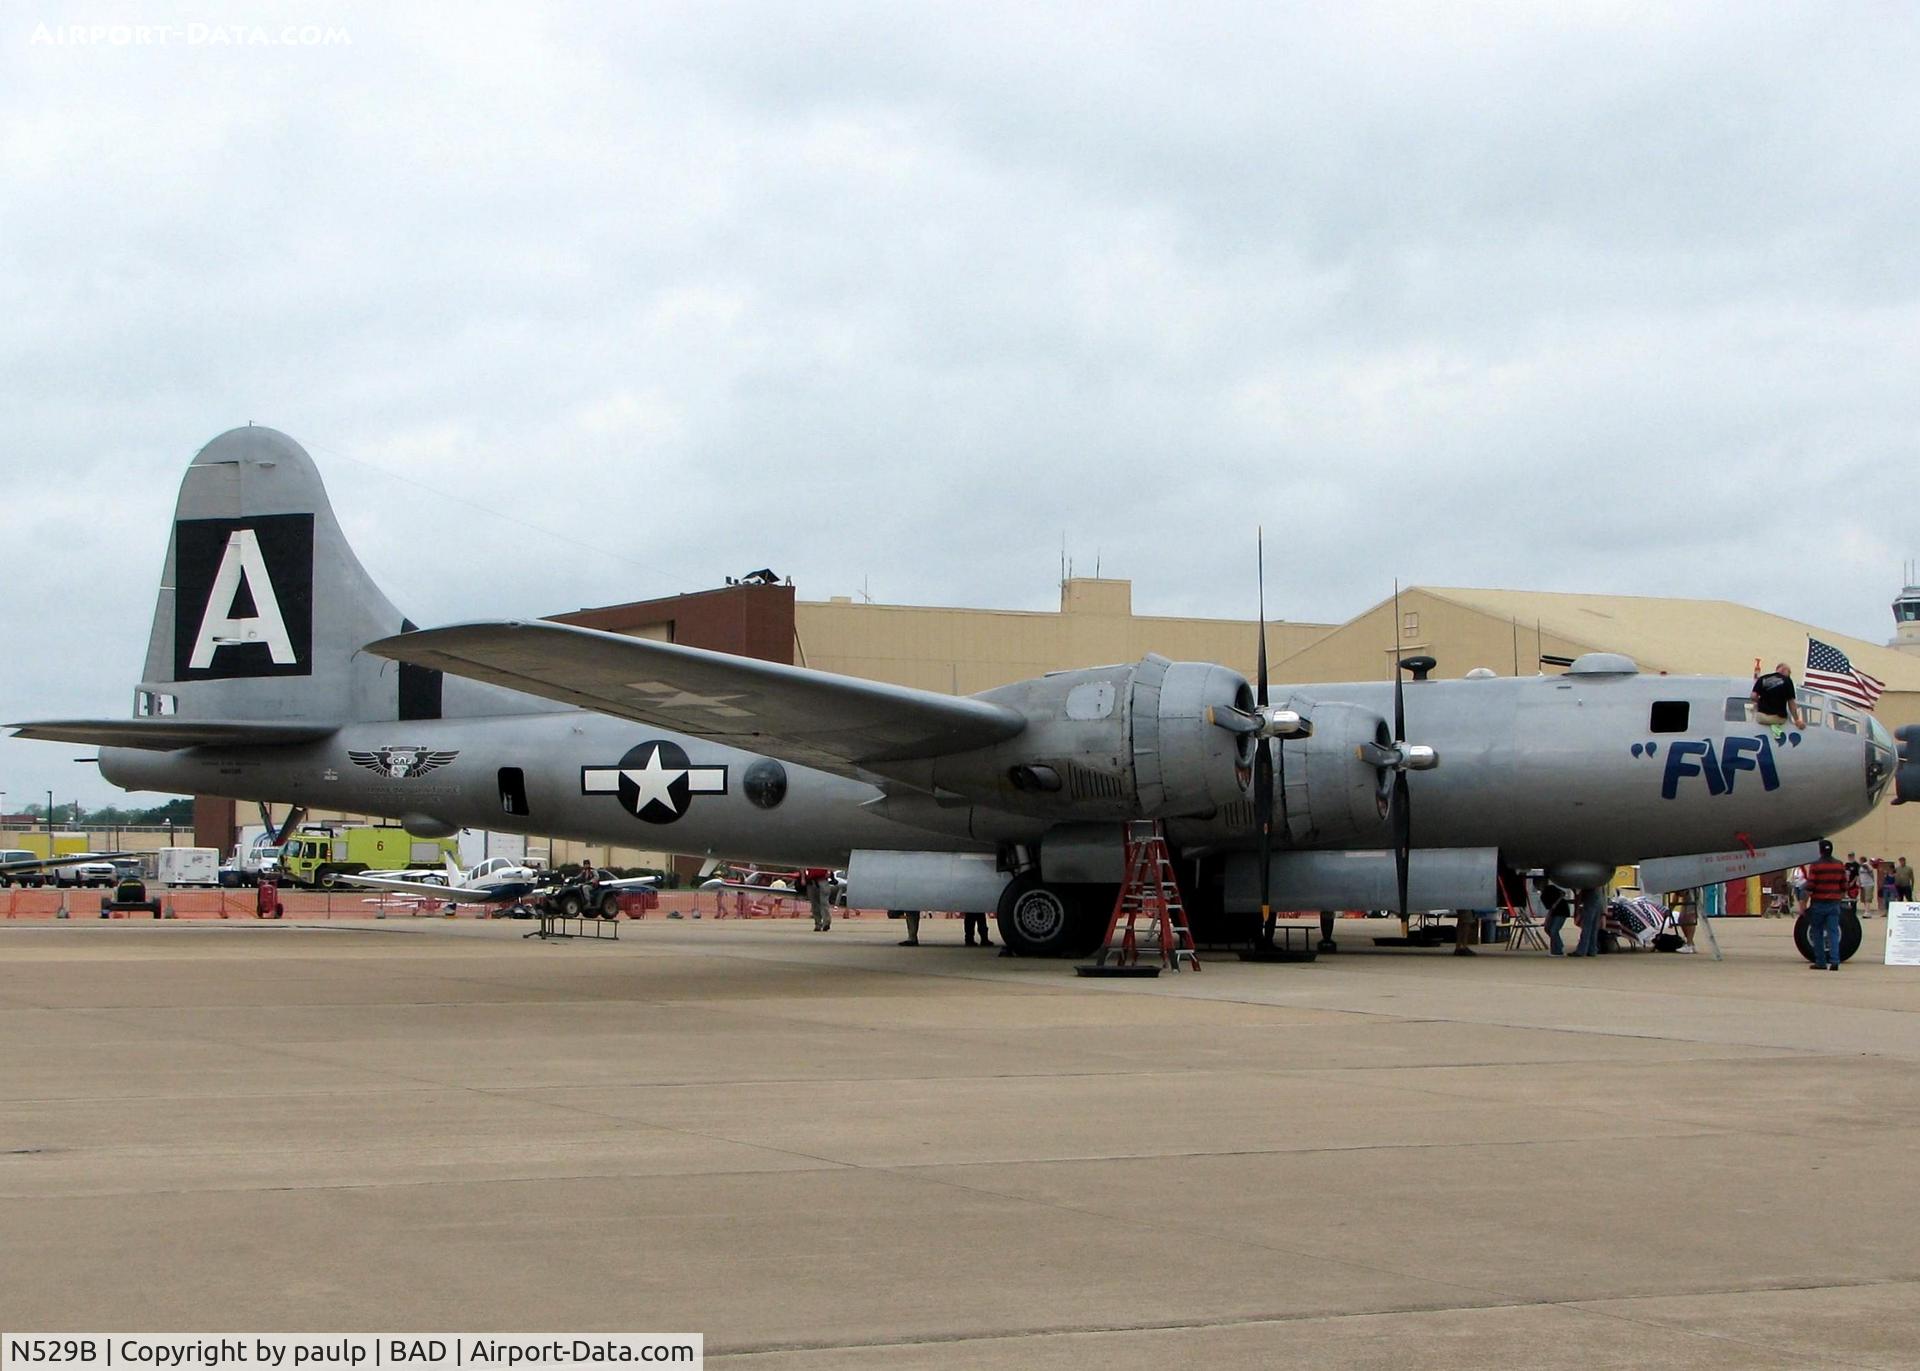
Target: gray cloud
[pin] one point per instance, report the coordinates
(1584, 297)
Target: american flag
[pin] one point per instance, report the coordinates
(1828, 669)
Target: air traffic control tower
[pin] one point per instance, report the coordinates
(1906, 614)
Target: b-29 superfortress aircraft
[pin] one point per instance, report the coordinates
(278, 671)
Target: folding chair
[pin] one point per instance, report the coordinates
(1528, 927)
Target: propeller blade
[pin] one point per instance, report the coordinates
(1260, 558)
(1402, 836)
(1263, 820)
(295, 817)
(1263, 757)
(1399, 807)
(1399, 676)
(1237, 721)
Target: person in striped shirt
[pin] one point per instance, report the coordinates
(1826, 888)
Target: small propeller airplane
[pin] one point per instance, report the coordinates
(278, 671)
(497, 881)
(755, 880)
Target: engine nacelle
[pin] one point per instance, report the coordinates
(1329, 794)
(1114, 742)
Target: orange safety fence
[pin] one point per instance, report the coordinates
(220, 904)
(343, 903)
(744, 904)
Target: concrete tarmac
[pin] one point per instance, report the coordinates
(826, 1150)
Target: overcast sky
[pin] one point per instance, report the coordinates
(1602, 297)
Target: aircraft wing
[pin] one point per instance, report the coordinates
(64, 859)
(455, 894)
(812, 718)
(165, 733)
(628, 883)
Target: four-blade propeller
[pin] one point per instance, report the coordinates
(1394, 760)
(1265, 725)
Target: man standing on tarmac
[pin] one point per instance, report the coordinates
(1557, 901)
(1826, 888)
(1593, 913)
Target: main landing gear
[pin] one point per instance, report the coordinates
(1041, 920)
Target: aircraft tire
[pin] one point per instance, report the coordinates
(1041, 920)
(1850, 934)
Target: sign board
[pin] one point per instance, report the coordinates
(1903, 933)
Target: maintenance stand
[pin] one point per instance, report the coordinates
(555, 925)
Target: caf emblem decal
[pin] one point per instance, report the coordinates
(401, 763)
(655, 781)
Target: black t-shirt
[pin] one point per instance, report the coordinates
(1773, 692)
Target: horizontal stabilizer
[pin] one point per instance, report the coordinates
(1662, 875)
(812, 718)
(166, 734)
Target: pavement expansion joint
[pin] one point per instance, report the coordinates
(749, 1352)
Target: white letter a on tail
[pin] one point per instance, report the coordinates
(218, 628)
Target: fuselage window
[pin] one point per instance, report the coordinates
(1739, 709)
(1669, 716)
(513, 790)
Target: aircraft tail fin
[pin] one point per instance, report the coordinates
(263, 606)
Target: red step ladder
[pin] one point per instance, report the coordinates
(1148, 916)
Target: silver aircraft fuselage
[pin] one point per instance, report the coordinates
(1542, 768)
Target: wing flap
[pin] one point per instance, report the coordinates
(168, 734)
(812, 718)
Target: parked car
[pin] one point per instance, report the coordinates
(26, 878)
(85, 873)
